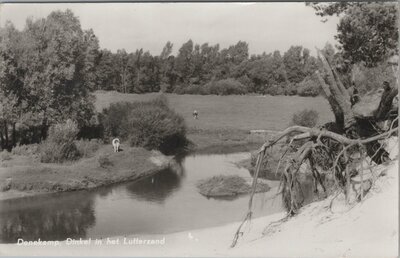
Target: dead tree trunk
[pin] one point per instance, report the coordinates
(338, 152)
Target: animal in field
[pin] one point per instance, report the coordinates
(195, 114)
(116, 144)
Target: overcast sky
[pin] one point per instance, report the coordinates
(265, 26)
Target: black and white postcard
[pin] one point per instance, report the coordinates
(199, 129)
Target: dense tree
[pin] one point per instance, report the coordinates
(43, 73)
(183, 62)
(367, 32)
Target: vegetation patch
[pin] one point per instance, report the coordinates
(5, 155)
(88, 148)
(151, 124)
(306, 117)
(228, 186)
(60, 144)
(228, 86)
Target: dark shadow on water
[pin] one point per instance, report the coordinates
(156, 188)
(48, 217)
(224, 198)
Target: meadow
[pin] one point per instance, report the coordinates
(241, 112)
(225, 122)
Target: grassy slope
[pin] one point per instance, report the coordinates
(225, 121)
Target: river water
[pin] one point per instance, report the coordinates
(164, 203)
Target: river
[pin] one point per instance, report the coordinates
(164, 203)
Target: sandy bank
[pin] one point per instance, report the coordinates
(368, 229)
(23, 176)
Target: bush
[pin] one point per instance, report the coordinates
(275, 90)
(222, 87)
(226, 87)
(5, 155)
(306, 117)
(308, 87)
(151, 124)
(59, 145)
(63, 132)
(26, 150)
(88, 148)
(290, 89)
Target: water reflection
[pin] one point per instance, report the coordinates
(48, 217)
(156, 188)
(166, 202)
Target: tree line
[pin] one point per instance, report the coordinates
(199, 64)
(50, 67)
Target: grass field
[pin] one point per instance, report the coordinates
(225, 122)
(230, 112)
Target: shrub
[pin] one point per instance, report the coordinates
(150, 124)
(306, 117)
(222, 87)
(290, 89)
(51, 152)
(196, 89)
(308, 87)
(63, 132)
(59, 145)
(5, 155)
(26, 150)
(87, 148)
(275, 90)
(225, 87)
(104, 161)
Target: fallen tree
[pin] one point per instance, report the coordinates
(339, 149)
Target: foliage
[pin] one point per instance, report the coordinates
(5, 155)
(222, 87)
(191, 89)
(275, 90)
(60, 144)
(26, 150)
(46, 74)
(225, 87)
(306, 117)
(367, 32)
(87, 148)
(151, 124)
(80, 65)
(308, 87)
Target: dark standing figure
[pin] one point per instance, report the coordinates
(195, 114)
(354, 95)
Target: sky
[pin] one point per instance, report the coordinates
(264, 26)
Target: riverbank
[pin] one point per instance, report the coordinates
(25, 176)
(366, 229)
(223, 141)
